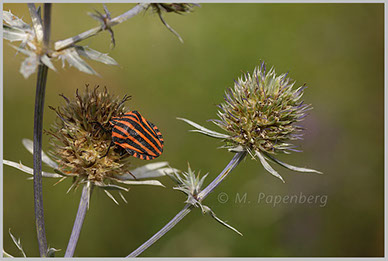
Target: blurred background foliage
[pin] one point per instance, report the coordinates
(337, 49)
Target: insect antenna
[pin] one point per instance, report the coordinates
(132, 175)
(100, 125)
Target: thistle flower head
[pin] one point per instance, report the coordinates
(80, 136)
(261, 111)
(260, 115)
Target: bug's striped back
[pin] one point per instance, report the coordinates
(139, 137)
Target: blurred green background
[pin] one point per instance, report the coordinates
(337, 49)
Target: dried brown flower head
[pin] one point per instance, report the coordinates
(80, 136)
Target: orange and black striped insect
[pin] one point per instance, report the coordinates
(139, 137)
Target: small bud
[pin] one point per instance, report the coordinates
(191, 185)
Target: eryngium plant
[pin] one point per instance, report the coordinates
(260, 115)
(261, 111)
(81, 135)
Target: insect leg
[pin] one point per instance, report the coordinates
(110, 145)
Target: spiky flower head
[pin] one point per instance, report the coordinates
(79, 140)
(260, 115)
(81, 136)
(261, 112)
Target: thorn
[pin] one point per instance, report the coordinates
(169, 27)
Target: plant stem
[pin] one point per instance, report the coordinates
(79, 220)
(38, 125)
(238, 157)
(186, 210)
(62, 44)
(46, 24)
(38, 122)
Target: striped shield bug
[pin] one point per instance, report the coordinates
(139, 137)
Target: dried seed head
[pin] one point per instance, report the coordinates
(261, 111)
(178, 8)
(82, 134)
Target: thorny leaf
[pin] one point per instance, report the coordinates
(15, 21)
(29, 145)
(5, 254)
(51, 252)
(151, 170)
(95, 55)
(36, 22)
(46, 61)
(206, 209)
(267, 166)
(290, 167)
(30, 171)
(111, 196)
(14, 34)
(112, 187)
(17, 243)
(141, 182)
(204, 130)
(72, 57)
(29, 65)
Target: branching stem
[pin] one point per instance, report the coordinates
(62, 44)
(238, 157)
